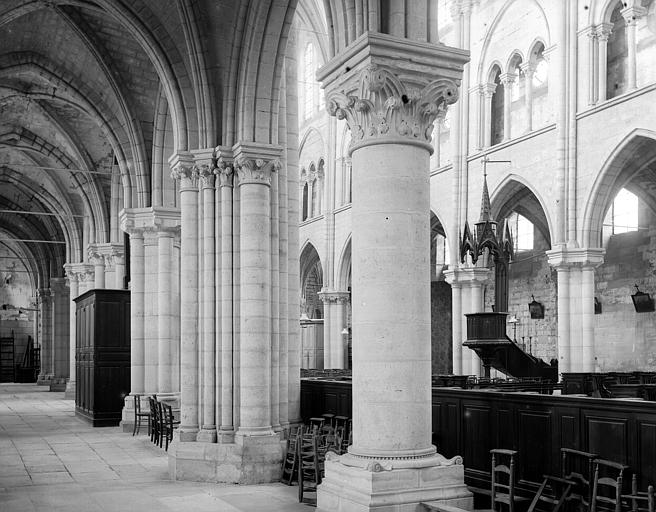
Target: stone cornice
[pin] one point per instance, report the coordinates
(155, 218)
(390, 89)
(467, 276)
(632, 13)
(254, 162)
(81, 272)
(565, 257)
(334, 297)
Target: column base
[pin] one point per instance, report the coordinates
(69, 392)
(206, 435)
(44, 379)
(58, 384)
(249, 460)
(354, 484)
(226, 436)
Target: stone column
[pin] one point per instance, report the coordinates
(507, 79)
(467, 285)
(575, 269)
(528, 70)
(563, 319)
(488, 92)
(184, 171)
(603, 33)
(226, 176)
(97, 259)
(137, 302)
(254, 164)
(333, 341)
(60, 334)
(208, 432)
(72, 276)
(150, 327)
(165, 316)
(46, 341)
(631, 16)
(391, 122)
(590, 65)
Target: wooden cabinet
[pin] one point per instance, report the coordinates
(102, 355)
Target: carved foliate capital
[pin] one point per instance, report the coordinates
(390, 89)
(206, 175)
(386, 109)
(603, 31)
(184, 171)
(225, 171)
(255, 170)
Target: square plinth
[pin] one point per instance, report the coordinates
(356, 489)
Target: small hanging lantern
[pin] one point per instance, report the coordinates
(642, 302)
(535, 308)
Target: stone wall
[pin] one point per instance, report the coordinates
(626, 340)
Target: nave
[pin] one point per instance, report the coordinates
(51, 460)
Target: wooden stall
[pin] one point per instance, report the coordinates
(102, 355)
(472, 422)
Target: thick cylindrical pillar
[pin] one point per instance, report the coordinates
(187, 174)
(225, 182)
(137, 301)
(255, 298)
(208, 430)
(391, 301)
(165, 366)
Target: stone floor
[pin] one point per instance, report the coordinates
(52, 461)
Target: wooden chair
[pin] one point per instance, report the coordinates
(309, 468)
(168, 424)
(607, 486)
(640, 501)
(139, 416)
(290, 460)
(577, 466)
(155, 432)
(503, 479)
(553, 491)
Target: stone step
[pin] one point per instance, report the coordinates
(439, 506)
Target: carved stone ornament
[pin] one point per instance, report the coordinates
(388, 111)
(225, 172)
(186, 174)
(206, 174)
(256, 170)
(376, 466)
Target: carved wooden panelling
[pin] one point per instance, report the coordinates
(607, 437)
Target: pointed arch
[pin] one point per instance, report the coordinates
(344, 266)
(638, 148)
(515, 193)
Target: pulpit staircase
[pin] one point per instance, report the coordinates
(486, 335)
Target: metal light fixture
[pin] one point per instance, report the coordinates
(642, 302)
(535, 308)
